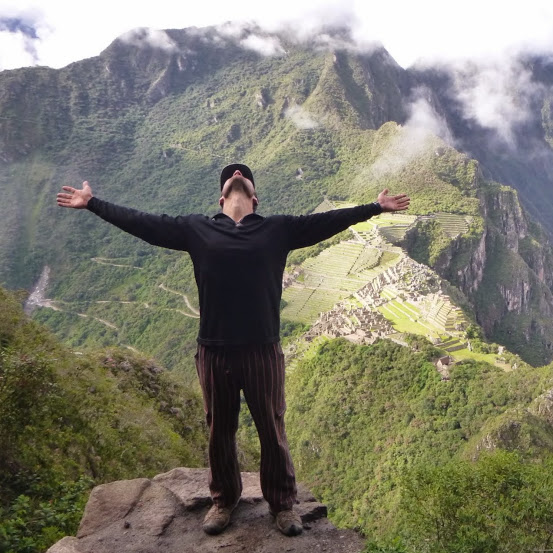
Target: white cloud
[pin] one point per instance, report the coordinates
(234, 29)
(424, 120)
(412, 140)
(152, 38)
(426, 29)
(433, 31)
(301, 117)
(497, 94)
(15, 51)
(266, 46)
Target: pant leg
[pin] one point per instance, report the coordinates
(263, 384)
(221, 392)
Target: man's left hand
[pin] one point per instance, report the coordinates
(393, 203)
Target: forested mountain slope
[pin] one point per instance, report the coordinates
(151, 121)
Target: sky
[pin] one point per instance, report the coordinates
(56, 32)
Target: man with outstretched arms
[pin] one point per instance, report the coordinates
(239, 259)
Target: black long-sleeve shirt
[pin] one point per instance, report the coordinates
(238, 266)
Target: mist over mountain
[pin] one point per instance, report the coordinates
(499, 114)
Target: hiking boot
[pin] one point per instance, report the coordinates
(217, 519)
(288, 522)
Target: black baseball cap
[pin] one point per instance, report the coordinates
(229, 170)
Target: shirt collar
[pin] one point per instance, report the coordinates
(252, 216)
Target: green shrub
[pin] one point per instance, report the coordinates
(498, 504)
(30, 525)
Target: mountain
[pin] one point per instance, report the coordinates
(152, 119)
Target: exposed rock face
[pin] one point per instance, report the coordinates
(542, 406)
(506, 273)
(469, 277)
(166, 512)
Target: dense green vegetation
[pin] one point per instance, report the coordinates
(428, 242)
(68, 421)
(498, 503)
(362, 418)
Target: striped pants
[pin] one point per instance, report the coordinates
(259, 371)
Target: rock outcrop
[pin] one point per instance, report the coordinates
(164, 514)
(506, 274)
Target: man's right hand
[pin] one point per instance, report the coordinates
(77, 199)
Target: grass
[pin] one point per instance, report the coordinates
(402, 322)
(491, 358)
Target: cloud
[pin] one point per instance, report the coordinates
(409, 31)
(17, 25)
(235, 29)
(422, 126)
(247, 35)
(16, 50)
(20, 34)
(497, 94)
(309, 31)
(266, 46)
(153, 38)
(474, 30)
(423, 118)
(300, 117)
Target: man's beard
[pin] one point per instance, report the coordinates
(240, 185)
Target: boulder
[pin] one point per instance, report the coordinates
(164, 515)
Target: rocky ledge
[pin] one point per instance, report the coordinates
(164, 515)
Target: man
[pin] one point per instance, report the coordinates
(239, 259)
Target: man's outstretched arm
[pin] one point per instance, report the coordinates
(158, 230)
(307, 230)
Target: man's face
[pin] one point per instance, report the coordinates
(238, 184)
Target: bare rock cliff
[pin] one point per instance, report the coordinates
(507, 275)
(165, 514)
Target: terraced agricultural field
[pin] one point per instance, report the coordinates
(452, 344)
(451, 223)
(305, 304)
(446, 316)
(327, 280)
(405, 317)
(337, 204)
(332, 276)
(490, 358)
(391, 226)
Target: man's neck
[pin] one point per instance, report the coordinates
(237, 207)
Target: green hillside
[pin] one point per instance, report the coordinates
(393, 449)
(376, 431)
(68, 421)
(151, 130)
